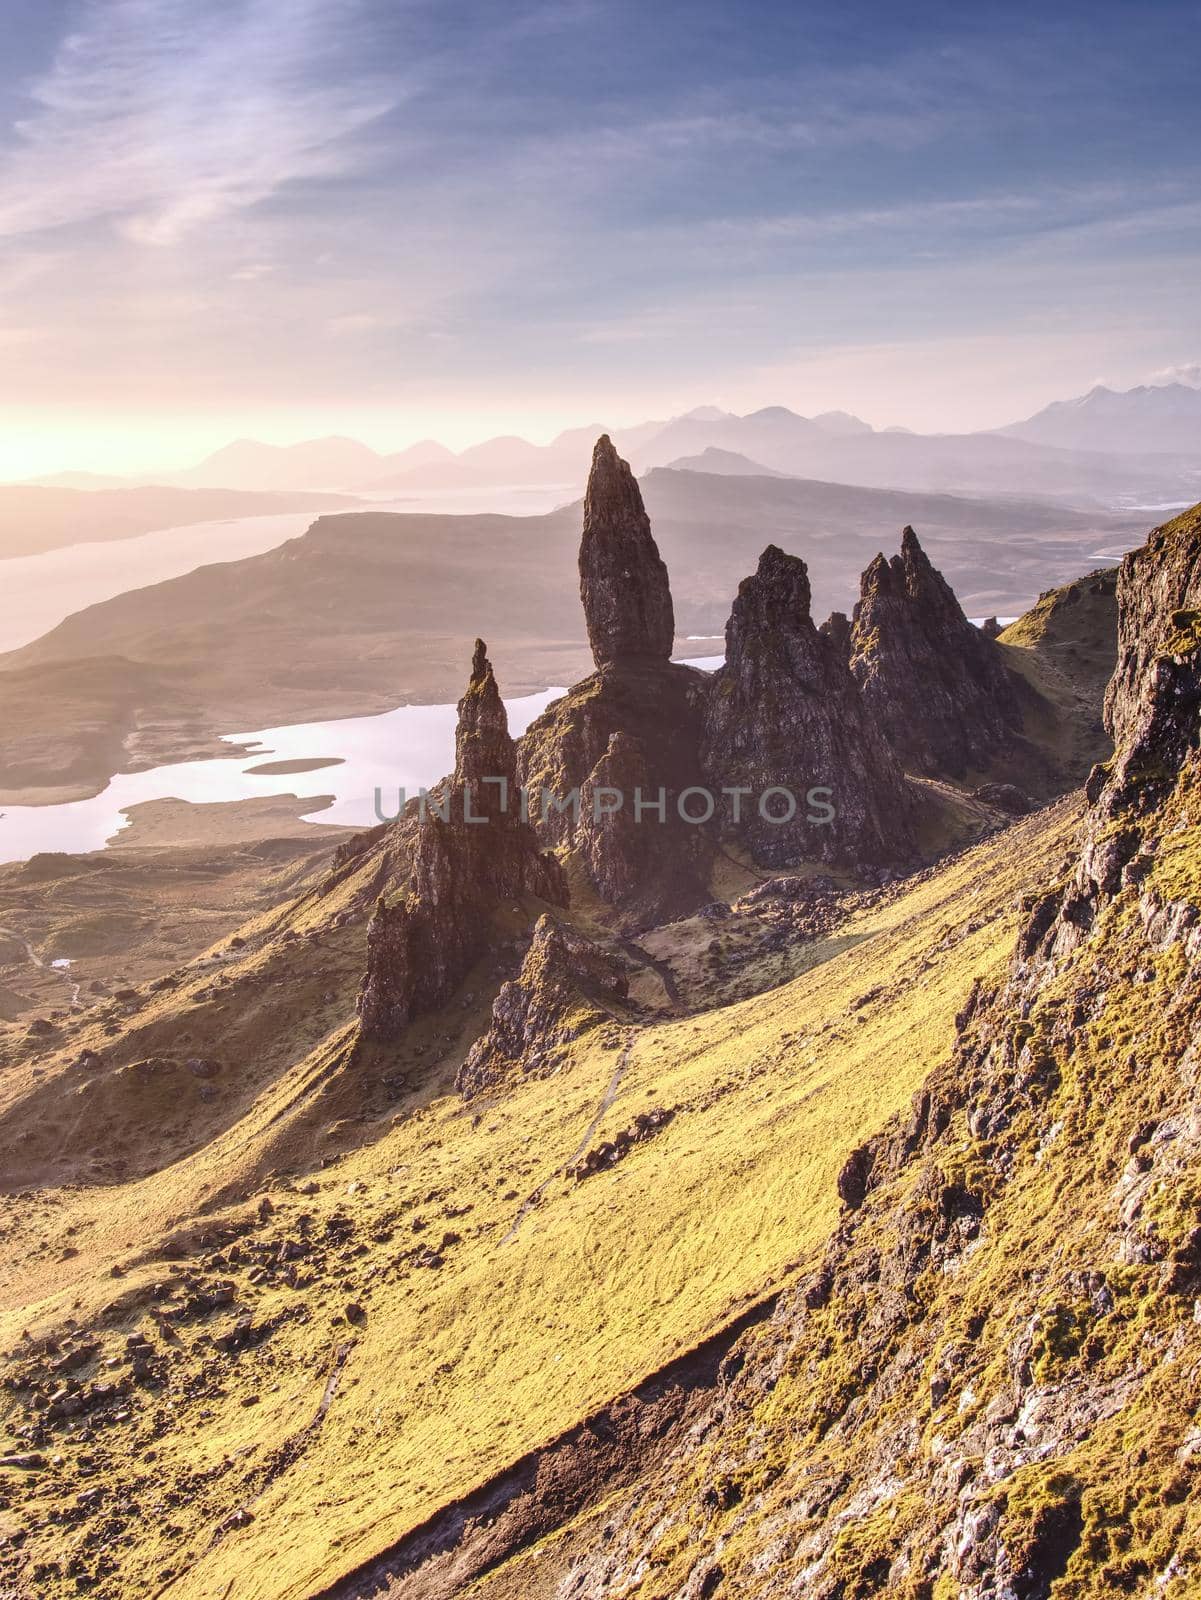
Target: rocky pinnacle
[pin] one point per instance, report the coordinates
(623, 581)
(484, 751)
(937, 686)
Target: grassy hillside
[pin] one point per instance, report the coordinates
(855, 1250)
(468, 1344)
(992, 1379)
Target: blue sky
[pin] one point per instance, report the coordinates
(397, 219)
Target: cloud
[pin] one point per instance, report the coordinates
(1188, 373)
(164, 115)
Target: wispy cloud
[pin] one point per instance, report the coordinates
(164, 114)
(1189, 373)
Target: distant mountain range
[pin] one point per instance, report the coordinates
(1103, 449)
(1164, 419)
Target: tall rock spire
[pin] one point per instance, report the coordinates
(485, 755)
(472, 853)
(623, 581)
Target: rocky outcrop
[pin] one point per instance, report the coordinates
(639, 851)
(787, 725)
(623, 581)
(837, 628)
(1153, 713)
(1151, 706)
(605, 768)
(472, 854)
(939, 689)
(567, 986)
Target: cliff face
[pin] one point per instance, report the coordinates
(937, 687)
(785, 714)
(472, 853)
(1151, 705)
(837, 628)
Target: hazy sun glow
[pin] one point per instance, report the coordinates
(394, 221)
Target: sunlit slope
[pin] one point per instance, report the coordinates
(1007, 1396)
(475, 1343)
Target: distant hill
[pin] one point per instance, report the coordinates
(34, 518)
(726, 463)
(1143, 421)
(333, 463)
(833, 447)
(75, 480)
(975, 464)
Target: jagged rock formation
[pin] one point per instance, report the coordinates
(987, 1385)
(472, 853)
(623, 581)
(567, 985)
(785, 714)
(937, 686)
(1151, 703)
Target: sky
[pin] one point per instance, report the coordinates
(404, 218)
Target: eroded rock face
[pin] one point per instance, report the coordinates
(639, 852)
(421, 946)
(938, 688)
(1153, 712)
(567, 986)
(485, 755)
(623, 581)
(1151, 706)
(785, 714)
(636, 730)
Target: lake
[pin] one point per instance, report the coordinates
(406, 748)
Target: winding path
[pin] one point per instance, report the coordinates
(44, 966)
(606, 1100)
